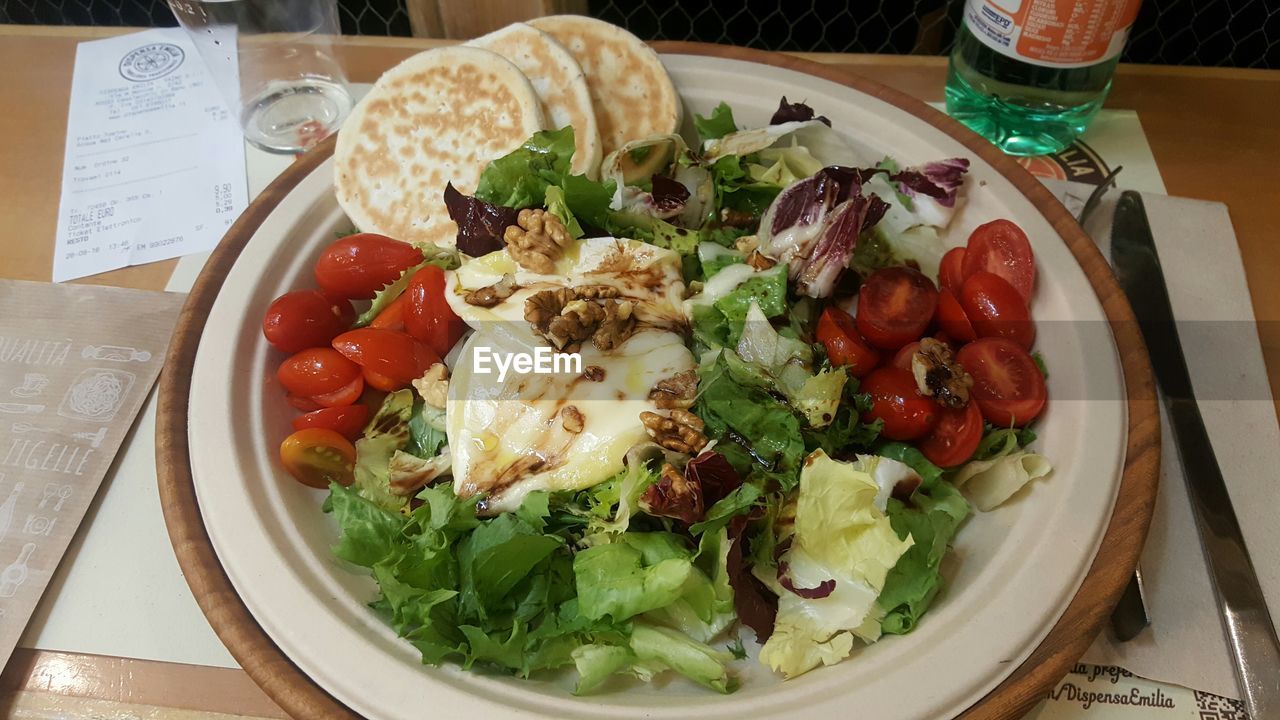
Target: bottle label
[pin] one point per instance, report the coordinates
(1053, 33)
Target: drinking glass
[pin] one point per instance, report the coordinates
(273, 63)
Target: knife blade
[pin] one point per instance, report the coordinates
(1246, 621)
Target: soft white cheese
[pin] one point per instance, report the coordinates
(507, 436)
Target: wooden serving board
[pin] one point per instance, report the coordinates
(1083, 619)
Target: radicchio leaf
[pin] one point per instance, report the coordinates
(756, 607)
(939, 180)
(714, 475)
(669, 196)
(824, 588)
(480, 224)
(816, 274)
(789, 112)
(673, 496)
(809, 200)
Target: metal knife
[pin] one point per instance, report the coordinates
(1245, 618)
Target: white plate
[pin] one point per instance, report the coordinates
(1010, 578)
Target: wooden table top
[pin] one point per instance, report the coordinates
(1207, 128)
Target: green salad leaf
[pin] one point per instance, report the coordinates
(759, 433)
(717, 125)
(931, 520)
(520, 178)
(387, 433)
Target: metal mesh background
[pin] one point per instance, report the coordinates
(1242, 33)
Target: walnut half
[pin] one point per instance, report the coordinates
(433, 386)
(568, 317)
(491, 295)
(677, 391)
(681, 432)
(939, 376)
(537, 240)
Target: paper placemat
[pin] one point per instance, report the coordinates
(1210, 296)
(76, 363)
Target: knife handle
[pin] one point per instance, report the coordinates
(1245, 618)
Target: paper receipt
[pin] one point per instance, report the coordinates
(154, 165)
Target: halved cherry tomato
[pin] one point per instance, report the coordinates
(392, 316)
(906, 413)
(316, 371)
(347, 421)
(317, 456)
(1000, 247)
(950, 271)
(996, 309)
(381, 382)
(952, 319)
(305, 404)
(428, 316)
(305, 318)
(358, 266)
(955, 438)
(1007, 385)
(346, 395)
(837, 332)
(397, 356)
(902, 359)
(895, 306)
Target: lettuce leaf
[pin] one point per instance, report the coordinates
(497, 592)
(520, 178)
(717, 125)
(386, 433)
(758, 433)
(931, 520)
(841, 551)
(989, 483)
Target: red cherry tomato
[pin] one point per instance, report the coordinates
(1007, 385)
(316, 371)
(837, 332)
(1000, 247)
(906, 413)
(950, 271)
(955, 438)
(347, 421)
(348, 394)
(952, 319)
(392, 316)
(305, 318)
(427, 316)
(895, 306)
(996, 309)
(902, 359)
(358, 266)
(397, 356)
(316, 456)
(381, 382)
(303, 403)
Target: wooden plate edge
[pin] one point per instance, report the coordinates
(1066, 642)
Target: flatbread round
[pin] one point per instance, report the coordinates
(559, 82)
(630, 89)
(438, 117)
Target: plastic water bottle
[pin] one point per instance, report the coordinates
(1030, 75)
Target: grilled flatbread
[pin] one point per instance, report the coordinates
(630, 89)
(559, 82)
(439, 116)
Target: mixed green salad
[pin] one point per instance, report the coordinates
(857, 390)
